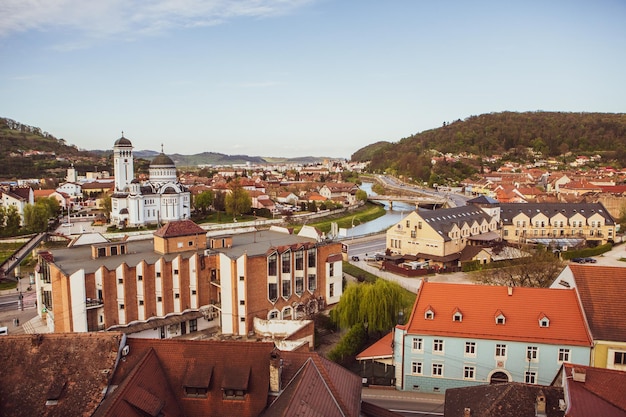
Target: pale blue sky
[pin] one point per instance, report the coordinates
(299, 77)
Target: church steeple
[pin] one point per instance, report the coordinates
(123, 163)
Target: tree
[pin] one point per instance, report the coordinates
(107, 206)
(52, 205)
(238, 201)
(219, 201)
(36, 216)
(3, 216)
(204, 200)
(376, 304)
(361, 195)
(539, 269)
(12, 221)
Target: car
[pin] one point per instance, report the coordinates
(355, 258)
(370, 258)
(590, 260)
(579, 260)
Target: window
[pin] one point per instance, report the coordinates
(286, 288)
(231, 394)
(121, 306)
(530, 377)
(272, 292)
(190, 243)
(299, 285)
(193, 325)
(242, 302)
(242, 278)
(113, 250)
(194, 292)
(195, 392)
(272, 315)
(242, 319)
(500, 319)
(408, 223)
(272, 266)
(159, 299)
(531, 353)
(500, 351)
(470, 348)
(286, 262)
(139, 277)
(299, 261)
(437, 369)
(140, 302)
(312, 282)
(619, 358)
(418, 344)
(563, 355)
(176, 272)
(332, 290)
(458, 317)
(438, 345)
(469, 372)
(158, 275)
(429, 315)
(120, 280)
(312, 258)
(176, 295)
(331, 269)
(416, 368)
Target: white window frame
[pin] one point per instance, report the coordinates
(532, 353)
(470, 349)
(469, 372)
(438, 346)
(530, 377)
(564, 355)
(437, 370)
(500, 350)
(417, 344)
(417, 368)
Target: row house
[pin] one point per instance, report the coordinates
(527, 222)
(600, 290)
(463, 335)
(179, 282)
(441, 235)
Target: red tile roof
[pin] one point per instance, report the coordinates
(601, 291)
(383, 348)
(179, 228)
(479, 304)
(601, 393)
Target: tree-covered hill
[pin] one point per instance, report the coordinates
(549, 133)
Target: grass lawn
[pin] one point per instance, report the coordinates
(364, 214)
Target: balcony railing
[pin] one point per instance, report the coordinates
(94, 303)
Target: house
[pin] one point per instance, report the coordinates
(107, 374)
(441, 235)
(600, 291)
(511, 399)
(179, 283)
(560, 224)
(17, 197)
(62, 198)
(340, 192)
(463, 335)
(592, 391)
(286, 197)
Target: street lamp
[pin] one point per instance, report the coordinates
(20, 298)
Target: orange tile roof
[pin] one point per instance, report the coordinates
(479, 304)
(381, 349)
(601, 293)
(179, 228)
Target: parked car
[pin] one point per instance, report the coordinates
(579, 260)
(370, 258)
(590, 260)
(355, 258)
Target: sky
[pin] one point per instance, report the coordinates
(288, 78)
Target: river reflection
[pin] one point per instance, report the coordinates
(399, 211)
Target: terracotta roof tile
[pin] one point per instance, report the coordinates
(179, 228)
(381, 349)
(601, 293)
(601, 393)
(521, 310)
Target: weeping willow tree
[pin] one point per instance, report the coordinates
(376, 304)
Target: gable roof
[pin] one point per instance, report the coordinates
(511, 399)
(521, 309)
(72, 369)
(600, 289)
(383, 348)
(509, 210)
(601, 393)
(444, 220)
(179, 228)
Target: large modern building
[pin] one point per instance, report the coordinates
(180, 282)
(160, 199)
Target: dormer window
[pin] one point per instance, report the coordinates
(500, 319)
(544, 321)
(429, 314)
(457, 316)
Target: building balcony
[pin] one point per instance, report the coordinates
(94, 303)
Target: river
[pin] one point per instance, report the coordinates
(391, 217)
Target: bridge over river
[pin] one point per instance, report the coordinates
(419, 201)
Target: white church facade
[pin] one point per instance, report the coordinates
(160, 199)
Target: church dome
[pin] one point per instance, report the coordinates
(162, 160)
(123, 142)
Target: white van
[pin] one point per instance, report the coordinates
(4, 331)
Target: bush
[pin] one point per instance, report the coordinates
(587, 252)
(350, 344)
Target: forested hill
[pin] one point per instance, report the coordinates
(551, 133)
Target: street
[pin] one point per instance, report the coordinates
(405, 403)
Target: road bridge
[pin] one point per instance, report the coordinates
(19, 255)
(419, 201)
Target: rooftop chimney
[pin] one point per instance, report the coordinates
(276, 367)
(579, 374)
(509, 290)
(540, 404)
(467, 412)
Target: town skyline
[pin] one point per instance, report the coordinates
(304, 77)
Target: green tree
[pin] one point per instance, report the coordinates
(107, 206)
(12, 221)
(238, 201)
(361, 195)
(3, 216)
(376, 304)
(52, 205)
(204, 200)
(219, 201)
(36, 216)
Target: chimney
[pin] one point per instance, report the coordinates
(467, 412)
(540, 404)
(276, 367)
(509, 290)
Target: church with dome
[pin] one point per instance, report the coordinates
(160, 199)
